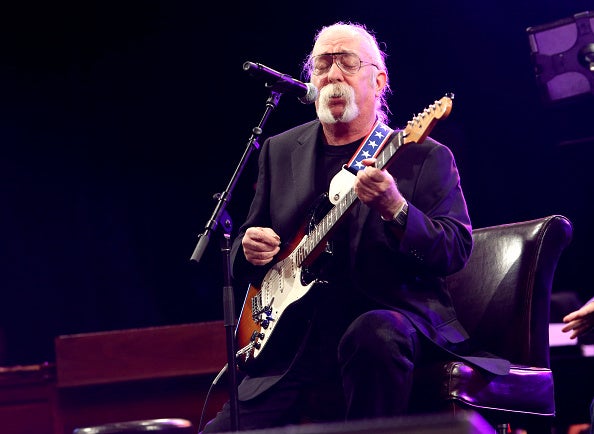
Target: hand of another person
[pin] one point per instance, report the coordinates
(580, 321)
(377, 189)
(260, 245)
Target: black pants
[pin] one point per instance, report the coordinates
(375, 359)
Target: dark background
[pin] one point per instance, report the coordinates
(119, 121)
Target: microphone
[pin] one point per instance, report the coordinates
(306, 92)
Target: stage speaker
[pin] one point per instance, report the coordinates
(464, 422)
(562, 53)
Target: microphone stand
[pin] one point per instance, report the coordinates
(220, 218)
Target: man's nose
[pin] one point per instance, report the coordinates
(335, 73)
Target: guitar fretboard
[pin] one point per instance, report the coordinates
(329, 221)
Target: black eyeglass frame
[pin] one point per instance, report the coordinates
(338, 63)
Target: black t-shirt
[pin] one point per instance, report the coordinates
(335, 262)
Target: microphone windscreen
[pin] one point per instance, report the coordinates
(311, 95)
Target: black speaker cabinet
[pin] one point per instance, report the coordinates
(562, 54)
(464, 422)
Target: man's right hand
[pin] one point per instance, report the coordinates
(260, 245)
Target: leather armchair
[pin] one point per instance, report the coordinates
(502, 297)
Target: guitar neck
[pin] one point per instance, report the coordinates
(416, 130)
(307, 252)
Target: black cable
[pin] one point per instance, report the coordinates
(212, 385)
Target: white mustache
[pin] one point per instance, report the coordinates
(335, 90)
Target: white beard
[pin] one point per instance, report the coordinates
(351, 111)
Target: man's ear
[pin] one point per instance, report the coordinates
(380, 82)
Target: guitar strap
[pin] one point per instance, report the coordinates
(370, 147)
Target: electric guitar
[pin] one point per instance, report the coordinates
(285, 283)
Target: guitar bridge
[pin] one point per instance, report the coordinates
(261, 314)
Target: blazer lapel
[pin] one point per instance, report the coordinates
(303, 163)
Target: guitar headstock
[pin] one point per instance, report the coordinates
(419, 127)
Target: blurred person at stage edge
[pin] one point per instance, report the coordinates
(578, 323)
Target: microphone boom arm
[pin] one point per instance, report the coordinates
(223, 198)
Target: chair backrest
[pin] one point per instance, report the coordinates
(502, 296)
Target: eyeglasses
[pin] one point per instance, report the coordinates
(349, 63)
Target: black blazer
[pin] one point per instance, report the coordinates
(404, 274)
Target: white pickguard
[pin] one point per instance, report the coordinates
(280, 288)
(342, 182)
